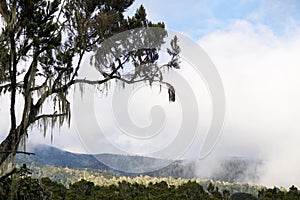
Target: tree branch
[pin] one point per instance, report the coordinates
(49, 116)
(7, 86)
(4, 11)
(22, 152)
(40, 86)
(13, 79)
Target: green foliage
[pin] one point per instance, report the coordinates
(192, 190)
(80, 190)
(54, 189)
(42, 46)
(100, 177)
(243, 196)
(20, 185)
(276, 193)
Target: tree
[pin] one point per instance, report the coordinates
(243, 196)
(42, 45)
(192, 190)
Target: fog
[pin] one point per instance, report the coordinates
(260, 76)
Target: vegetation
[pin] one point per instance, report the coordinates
(231, 169)
(279, 193)
(42, 46)
(68, 176)
(20, 184)
(238, 169)
(51, 156)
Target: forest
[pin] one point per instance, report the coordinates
(43, 48)
(22, 183)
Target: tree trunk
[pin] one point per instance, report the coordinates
(10, 144)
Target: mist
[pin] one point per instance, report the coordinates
(260, 73)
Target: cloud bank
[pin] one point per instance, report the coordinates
(256, 52)
(260, 72)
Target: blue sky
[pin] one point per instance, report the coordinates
(198, 17)
(255, 46)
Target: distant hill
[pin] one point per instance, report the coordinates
(47, 155)
(238, 169)
(232, 169)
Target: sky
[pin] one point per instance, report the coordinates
(255, 48)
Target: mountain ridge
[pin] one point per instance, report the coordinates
(49, 155)
(234, 169)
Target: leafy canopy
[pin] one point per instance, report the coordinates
(42, 45)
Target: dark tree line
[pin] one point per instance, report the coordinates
(18, 184)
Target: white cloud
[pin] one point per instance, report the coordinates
(260, 72)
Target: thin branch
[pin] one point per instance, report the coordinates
(40, 86)
(19, 84)
(49, 116)
(4, 11)
(118, 78)
(121, 64)
(22, 152)
(5, 86)
(13, 171)
(78, 65)
(22, 171)
(90, 82)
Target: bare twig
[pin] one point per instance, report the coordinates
(49, 116)
(23, 152)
